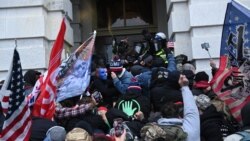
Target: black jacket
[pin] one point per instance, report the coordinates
(138, 102)
(162, 93)
(211, 124)
(107, 89)
(39, 128)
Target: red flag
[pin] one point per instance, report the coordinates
(45, 103)
(17, 122)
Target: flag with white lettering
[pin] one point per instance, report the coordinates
(45, 103)
(232, 81)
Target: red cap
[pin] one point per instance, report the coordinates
(102, 108)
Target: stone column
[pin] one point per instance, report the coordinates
(35, 25)
(192, 22)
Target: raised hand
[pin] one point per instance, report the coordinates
(183, 81)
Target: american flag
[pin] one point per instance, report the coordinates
(170, 44)
(231, 82)
(45, 104)
(17, 122)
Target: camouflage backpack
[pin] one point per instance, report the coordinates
(152, 131)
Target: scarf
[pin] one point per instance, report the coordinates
(202, 84)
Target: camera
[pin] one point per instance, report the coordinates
(97, 96)
(118, 126)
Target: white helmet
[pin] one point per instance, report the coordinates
(160, 35)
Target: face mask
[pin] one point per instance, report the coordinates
(157, 45)
(102, 73)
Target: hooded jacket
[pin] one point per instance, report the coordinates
(106, 88)
(211, 122)
(39, 128)
(165, 90)
(191, 120)
(122, 81)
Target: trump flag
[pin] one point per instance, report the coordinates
(74, 74)
(232, 81)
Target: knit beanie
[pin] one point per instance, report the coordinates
(190, 76)
(55, 133)
(201, 76)
(30, 77)
(102, 108)
(103, 137)
(134, 86)
(115, 66)
(78, 134)
(188, 66)
(86, 126)
(202, 101)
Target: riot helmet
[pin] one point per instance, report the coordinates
(159, 41)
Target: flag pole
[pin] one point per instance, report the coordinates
(82, 46)
(3, 90)
(15, 43)
(209, 54)
(206, 47)
(65, 14)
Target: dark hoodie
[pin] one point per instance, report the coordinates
(167, 90)
(210, 124)
(213, 123)
(246, 116)
(30, 78)
(134, 101)
(107, 89)
(39, 128)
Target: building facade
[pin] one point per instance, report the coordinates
(34, 25)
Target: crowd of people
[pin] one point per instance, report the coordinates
(145, 93)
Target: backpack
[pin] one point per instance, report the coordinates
(226, 128)
(245, 135)
(159, 75)
(152, 131)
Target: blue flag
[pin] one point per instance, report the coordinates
(74, 74)
(232, 81)
(236, 34)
